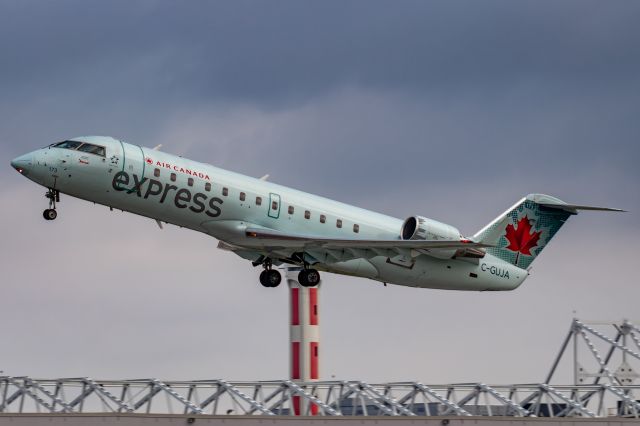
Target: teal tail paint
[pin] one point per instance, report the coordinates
(520, 233)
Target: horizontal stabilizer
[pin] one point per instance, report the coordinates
(579, 207)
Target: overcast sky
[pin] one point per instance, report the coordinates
(452, 110)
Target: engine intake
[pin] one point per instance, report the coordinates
(422, 228)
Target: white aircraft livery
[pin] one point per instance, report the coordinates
(272, 225)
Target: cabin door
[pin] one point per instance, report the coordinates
(274, 205)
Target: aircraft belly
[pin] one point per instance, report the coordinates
(355, 267)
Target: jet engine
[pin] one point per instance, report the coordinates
(422, 228)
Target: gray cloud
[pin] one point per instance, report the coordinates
(254, 51)
(383, 146)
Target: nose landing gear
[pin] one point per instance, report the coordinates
(54, 197)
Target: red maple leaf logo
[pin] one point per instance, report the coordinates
(521, 239)
(149, 160)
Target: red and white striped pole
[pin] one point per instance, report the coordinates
(304, 337)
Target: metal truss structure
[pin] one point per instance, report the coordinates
(612, 393)
(603, 352)
(335, 398)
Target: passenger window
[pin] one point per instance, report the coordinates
(274, 205)
(339, 223)
(207, 186)
(225, 191)
(323, 218)
(307, 214)
(356, 228)
(173, 177)
(156, 172)
(242, 196)
(291, 210)
(190, 181)
(258, 201)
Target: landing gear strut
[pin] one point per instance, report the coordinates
(54, 197)
(270, 277)
(309, 277)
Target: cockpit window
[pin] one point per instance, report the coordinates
(68, 144)
(82, 146)
(92, 149)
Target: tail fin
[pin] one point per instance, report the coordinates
(519, 234)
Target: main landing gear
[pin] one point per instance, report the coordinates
(270, 277)
(54, 197)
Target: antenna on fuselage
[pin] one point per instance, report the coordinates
(157, 147)
(265, 177)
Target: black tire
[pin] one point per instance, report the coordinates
(50, 214)
(273, 278)
(309, 277)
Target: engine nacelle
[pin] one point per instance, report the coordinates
(422, 228)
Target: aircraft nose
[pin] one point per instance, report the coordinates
(23, 163)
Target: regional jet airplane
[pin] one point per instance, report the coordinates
(271, 225)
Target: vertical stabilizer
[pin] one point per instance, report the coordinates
(520, 233)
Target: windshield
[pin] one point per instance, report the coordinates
(82, 146)
(92, 149)
(68, 144)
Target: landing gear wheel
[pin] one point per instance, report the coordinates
(54, 197)
(50, 214)
(270, 278)
(309, 277)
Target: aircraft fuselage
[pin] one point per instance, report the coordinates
(224, 204)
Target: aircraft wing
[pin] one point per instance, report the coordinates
(345, 249)
(296, 240)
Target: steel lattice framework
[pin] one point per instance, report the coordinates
(612, 391)
(335, 398)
